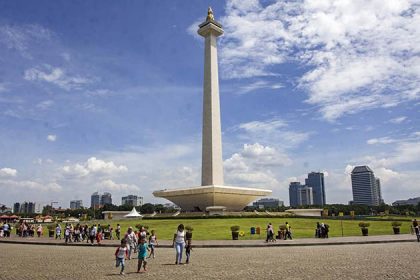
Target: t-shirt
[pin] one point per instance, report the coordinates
(131, 238)
(142, 250)
(6, 227)
(152, 239)
(180, 236)
(121, 252)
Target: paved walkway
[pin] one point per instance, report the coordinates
(366, 261)
(236, 243)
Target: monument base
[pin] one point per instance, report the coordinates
(199, 198)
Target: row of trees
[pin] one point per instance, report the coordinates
(358, 209)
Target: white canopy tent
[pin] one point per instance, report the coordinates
(133, 214)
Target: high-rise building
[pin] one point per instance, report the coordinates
(300, 195)
(76, 204)
(27, 208)
(132, 200)
(315, 180)
(268, 203)
(305, 196)
(364, 186)
(378, 190)
(106, 198)
(95, 200)
(16, 207)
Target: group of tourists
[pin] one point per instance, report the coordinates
(285, 232)
(79, 233)
(137, 242)
(321, 230)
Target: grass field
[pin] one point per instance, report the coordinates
(219, 229)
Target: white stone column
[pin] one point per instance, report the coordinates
(212, 162)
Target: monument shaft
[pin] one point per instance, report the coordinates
(212, 162)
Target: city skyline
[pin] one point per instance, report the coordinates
(107, 97)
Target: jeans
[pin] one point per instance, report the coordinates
(120, 261)
(179, 248)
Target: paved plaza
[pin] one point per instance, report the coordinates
(365, 261)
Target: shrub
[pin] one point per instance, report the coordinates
(364, 224)
(189, 228)
(396, 224)
(235, 228)
(282, 227)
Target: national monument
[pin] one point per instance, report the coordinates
(212, 191)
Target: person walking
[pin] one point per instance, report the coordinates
(270, 233)
(58, 232)
(152, 243)
(131, 239)
(120, 255)
(288, 232)
(118, 231)
(142, 255)
(188, 249)
(416, 229)
(39, 230)
(179, 243)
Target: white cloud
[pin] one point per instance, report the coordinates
(56, 76)
(30, 185)
(272, 131)
(8, 172)
(44, 105)
(21, 38)
(109, 185)
(252, 165)
(382, 140)
(398, 120)
(358, 54)
(257, 85)
(3, 87)
(52, 137)
(93, 166)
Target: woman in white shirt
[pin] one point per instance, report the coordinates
(179, 243)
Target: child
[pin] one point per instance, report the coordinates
(188, 249)
(99, 237)
(152, 243)
(142, 248)
(120, 254)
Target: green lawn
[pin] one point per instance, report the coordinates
(219, 229)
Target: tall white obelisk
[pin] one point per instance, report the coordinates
(212, 162)
(212, 193)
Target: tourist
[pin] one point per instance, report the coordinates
(179, 243)
(92, 234)
(118, 231)
(76, 233)
(67, 234)
(318, 230)
(416, 229)
(99, 236)
(270, 233)
(58, 231)
(188, 249)
(288, 232)
(6, 230)
(142, 233)
(111, 230)
(120, 255)
(152, 243)
(142, 249)
(39, 230)
(131, 239)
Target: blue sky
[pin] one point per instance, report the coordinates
(107, 96)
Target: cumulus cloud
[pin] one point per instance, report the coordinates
(357, 55)
(93, 166)
(109, 185)
(8, 172)
(56, 76)
(31, 185)
(252, 165)
(52, 137)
